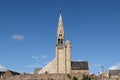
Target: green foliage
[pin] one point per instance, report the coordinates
(86, 77)
(69, 76)
(72, 77)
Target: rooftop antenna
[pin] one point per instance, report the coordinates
(102, 68)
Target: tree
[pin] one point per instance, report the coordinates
(86, 77)
(72, 77)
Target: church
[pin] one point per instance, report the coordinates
(62, 62)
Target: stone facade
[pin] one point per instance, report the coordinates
(68, 56)
(64, 58)
(8, 73)
(50, 68)
(80, 71)
(111, 73)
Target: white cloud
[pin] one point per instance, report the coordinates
(18, 37)
(2, 68)
(80, 60)
(46, 62)
(44, 56)
(39, 61)
(97, 65)
(36, 65)
(115, 67)
(35, 57)
(40, 57)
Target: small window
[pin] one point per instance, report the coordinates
(46, 72)
(61, 40)
(58, 41)
(60, 35)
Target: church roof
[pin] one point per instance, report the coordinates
(79, 65)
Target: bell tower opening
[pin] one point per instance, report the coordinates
(58, 41)
(61, 41)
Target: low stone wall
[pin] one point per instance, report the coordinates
(54, 77)
(39, 77)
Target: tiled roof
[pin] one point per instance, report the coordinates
(79, 65)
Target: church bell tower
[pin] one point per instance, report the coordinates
(62, 62)
(63, 50)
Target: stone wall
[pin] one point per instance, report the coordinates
(68, 56)
(50, 68)
(80, 71)
(39, 77)
(61, 68)
(54, 77)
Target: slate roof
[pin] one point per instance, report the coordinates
(2, 72)
(79, 65)
(14, 73)
(114, 72)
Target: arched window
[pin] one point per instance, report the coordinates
(61, 41)
(60, 35)
(58, 41)
(46, 72)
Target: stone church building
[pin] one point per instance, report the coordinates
(62, 62)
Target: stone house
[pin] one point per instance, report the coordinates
(8, 73)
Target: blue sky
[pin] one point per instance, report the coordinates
(28, 30)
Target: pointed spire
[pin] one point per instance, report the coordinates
(60, 19)
(60, 32)
(60, 25)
